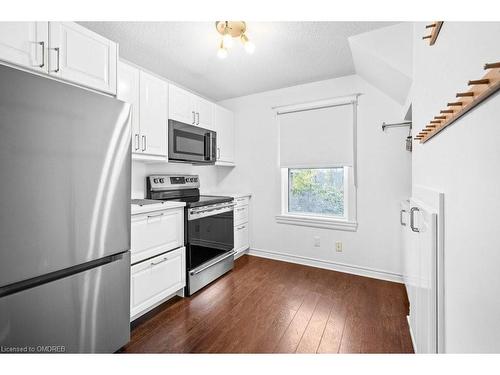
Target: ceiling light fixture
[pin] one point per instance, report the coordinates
(229, 30)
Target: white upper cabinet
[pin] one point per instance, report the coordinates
(64, 50)
(204, 113)
(224, 126)
(81, 56)
(153, 114)
(25, 44)
(180, 105)
(189, 108)
(128, 91)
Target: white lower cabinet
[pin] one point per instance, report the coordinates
(158, 258)
(156, 232)
(241, 230)
(155, 279)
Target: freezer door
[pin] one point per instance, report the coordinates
(65, 176)
(88, 312)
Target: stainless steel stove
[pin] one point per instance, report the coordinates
(208, 227)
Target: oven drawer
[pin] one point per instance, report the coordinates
(240, 215)
(156, 232)
(241, 240)
(153, 280)
(209, 271)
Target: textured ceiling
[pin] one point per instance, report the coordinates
(287, 53)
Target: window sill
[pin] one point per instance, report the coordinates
(317, 222)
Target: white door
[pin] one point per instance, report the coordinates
(153, 114)
(82, 56)
(180, 105)
(204, 112)
(128, 91)
(423, 303)
(224, 126)
(25, 44)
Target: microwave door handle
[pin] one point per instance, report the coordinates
(208, 146)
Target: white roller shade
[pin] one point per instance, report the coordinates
(317, 138)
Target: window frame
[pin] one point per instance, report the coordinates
(347, 222)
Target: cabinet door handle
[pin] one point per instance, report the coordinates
(136, 141)
(239, 228)
(194, 117)
(143, 143)
(43, 54)
(401, 218)
(218, 152)
(160, 261)
(153, 216)
(412, 219)
(197, 118)
(56, 70)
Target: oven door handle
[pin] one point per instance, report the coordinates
(203, 210)
(198, 270)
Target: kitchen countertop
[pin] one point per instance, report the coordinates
(160, 205)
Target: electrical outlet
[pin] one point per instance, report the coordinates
(338, 247)
(317, 241)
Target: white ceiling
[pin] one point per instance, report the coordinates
(287, 53)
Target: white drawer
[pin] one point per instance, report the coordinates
(156, 232)
(242, 201)
(240, 215)
(155, 279)
(241, 237)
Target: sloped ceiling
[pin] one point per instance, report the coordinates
(384, 58)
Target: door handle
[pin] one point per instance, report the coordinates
(143, 138)
(412, 219)
(218, 152)
(160, 261)
(43, 54)
(194, 117)
(240, 228)
(197, 118)
(152, 216)
(401, 218)
(198, 270)
(136, 137)
(58, 59)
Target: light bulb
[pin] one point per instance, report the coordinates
(247, 44)
(249, 47)
(228, 40)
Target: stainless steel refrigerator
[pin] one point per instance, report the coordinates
(64, 217)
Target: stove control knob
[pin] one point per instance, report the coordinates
(162, 180)
(155, 180)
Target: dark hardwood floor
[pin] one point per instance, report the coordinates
(267, 306)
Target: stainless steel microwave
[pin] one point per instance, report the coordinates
(191, 144)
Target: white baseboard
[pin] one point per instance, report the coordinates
(329, 265)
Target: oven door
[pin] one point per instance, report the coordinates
(188, 143)
(210, 244)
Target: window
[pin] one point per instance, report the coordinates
(317, 157)
(316, 191)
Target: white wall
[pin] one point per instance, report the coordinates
(463, 163)
(384, 178)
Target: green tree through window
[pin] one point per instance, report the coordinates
(316, 191)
